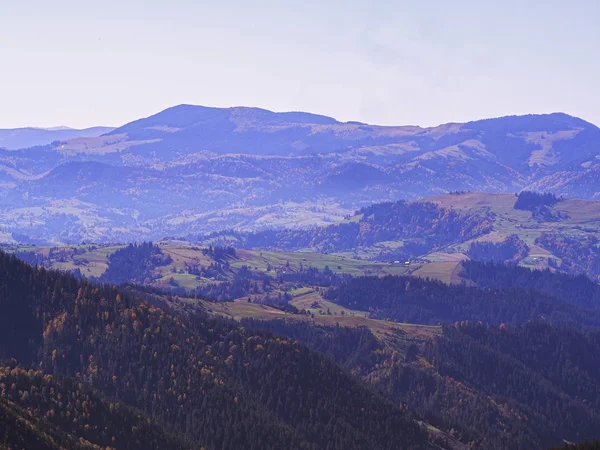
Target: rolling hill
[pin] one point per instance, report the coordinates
(426, 238)
(436, 233)
(192, 169)
(295, 379)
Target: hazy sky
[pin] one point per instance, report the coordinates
(106, 62)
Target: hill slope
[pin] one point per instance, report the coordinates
(222, 385)
(487, 387)
(37, 411)
(207, 380)
(440, 231)
(426, 238)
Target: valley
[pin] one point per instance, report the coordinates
(92, 261)
(436, 233)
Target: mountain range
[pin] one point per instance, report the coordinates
(319, 285)
(193, 169)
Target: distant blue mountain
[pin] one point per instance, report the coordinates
(17, 138)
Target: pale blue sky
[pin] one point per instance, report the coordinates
(106, 62)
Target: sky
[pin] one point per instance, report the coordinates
(85, 63)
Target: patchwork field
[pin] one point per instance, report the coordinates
(92, 261)
(571, 218)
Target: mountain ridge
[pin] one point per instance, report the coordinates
(193, 169)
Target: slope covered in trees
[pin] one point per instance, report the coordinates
(587, 445)
(540, 205)
(489, 387)
(38, 411)
(422, 225)
(134, 263)
(546, 374)
(578, 254)
(511, 249)
(530, 201)
(576, 289)
(416, 300)
(217, 384)
(205, 379)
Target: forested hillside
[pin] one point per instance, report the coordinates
(134, 264)
(488, 387)
(587, 445)
(38, 411)
(208, 380)
(417, 300)
(201, 381)
(512, 249)
(421, 225)
(575, 289)
(579, 254)
(549, 375)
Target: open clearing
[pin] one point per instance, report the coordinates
(327, 314)
(445, 271)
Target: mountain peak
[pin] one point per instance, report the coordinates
(530, 122)
(179, 117)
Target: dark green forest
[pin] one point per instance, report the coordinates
(65, 413)
(510, 250)
(208, 380)
(417, 300)
(496, 387)
(579, 254)
(134, 263)
(529, 201)
(578, 290)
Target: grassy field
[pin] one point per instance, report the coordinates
(445, 271)
(93, 262)
(306, 301)
(382, 329)
(97, 261)
(579, 218)
(260, 260)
